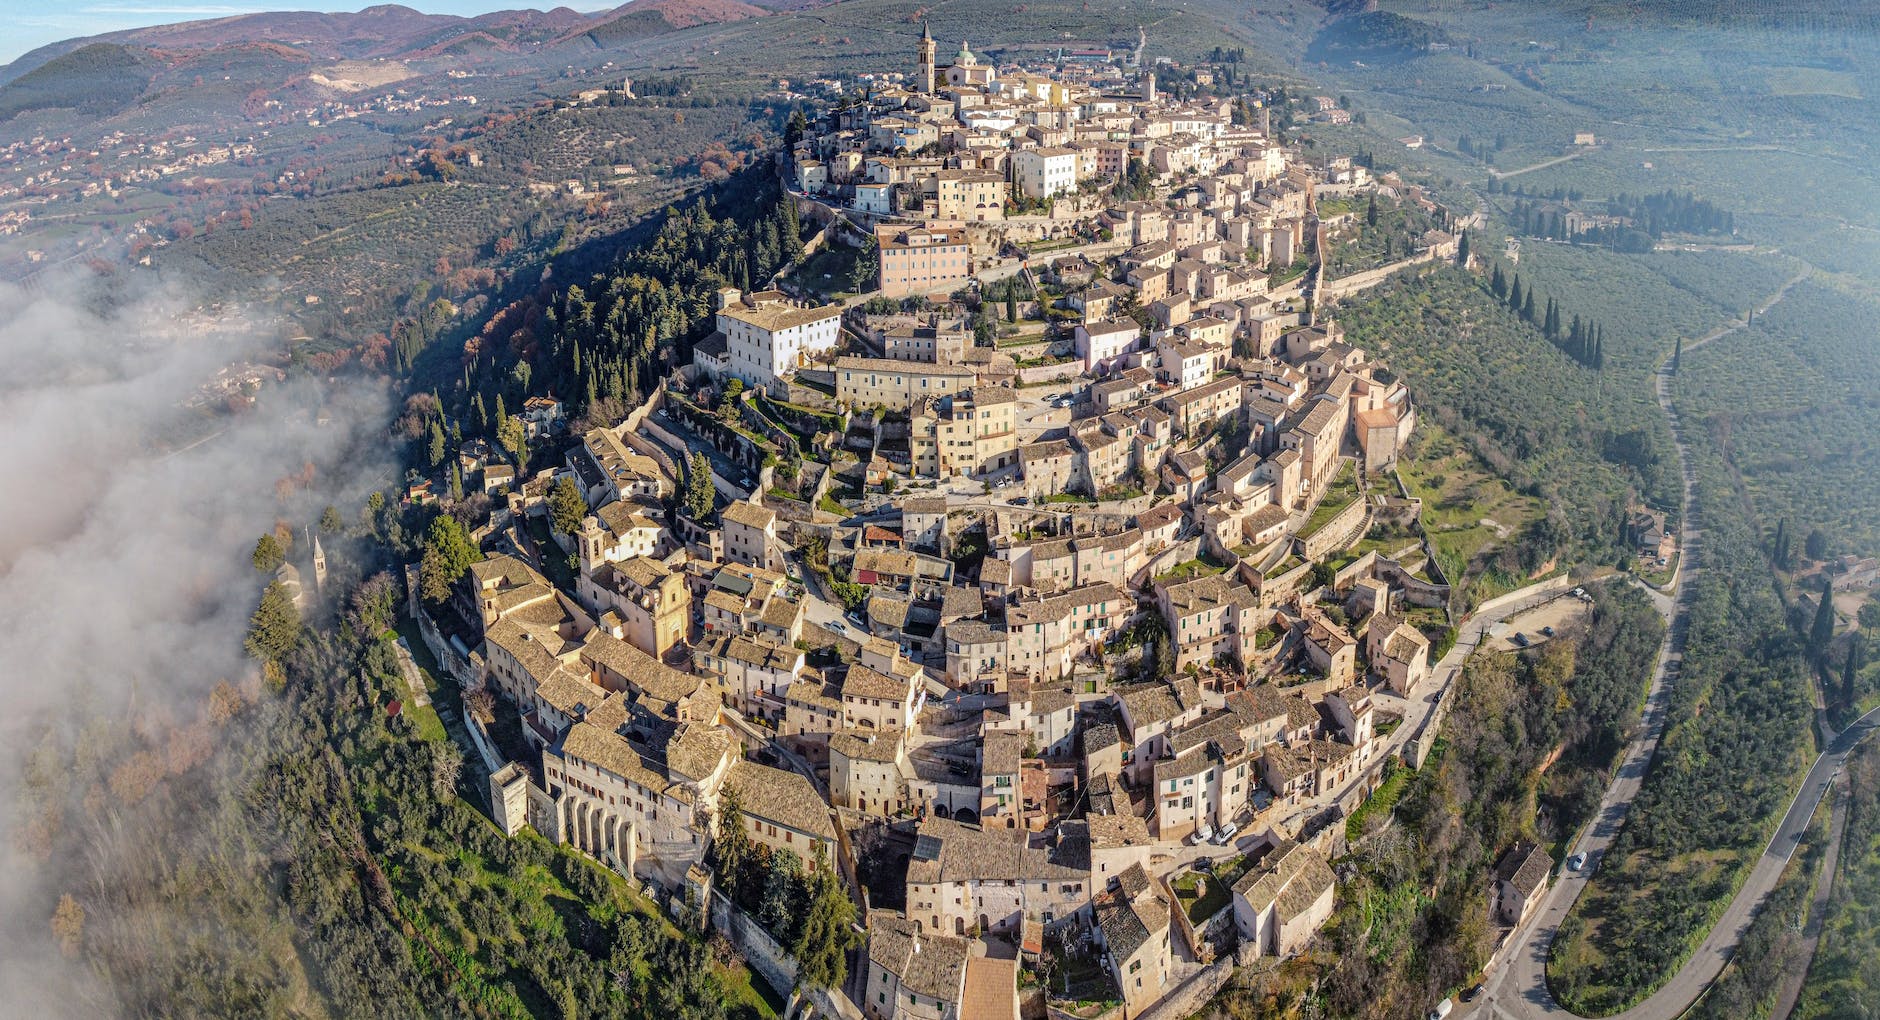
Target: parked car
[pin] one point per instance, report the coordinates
(1021, 500)
(1471, 992)
(1521, 640)
(1549, 631)
(1202, 834)
(1576, 862)
(836, 625)
(1226, 834)
(1443, 1009)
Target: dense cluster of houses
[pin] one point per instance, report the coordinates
(1033, 713)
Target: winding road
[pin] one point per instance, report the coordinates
(1518, 990)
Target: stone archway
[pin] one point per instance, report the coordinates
(942, 811)
(966, 815)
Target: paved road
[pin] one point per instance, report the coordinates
(1793, 982)
(1518, 991)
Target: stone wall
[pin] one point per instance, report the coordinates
(1356, 282)
(1188, 998)
(1336, 533)
(772, 962)
(1049, 373)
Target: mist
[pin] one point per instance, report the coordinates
(127, 516)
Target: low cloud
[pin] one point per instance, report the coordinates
(126, 520)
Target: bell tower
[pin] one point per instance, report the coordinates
(926, 59)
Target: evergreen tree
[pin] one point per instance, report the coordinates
(1514, 294)
(1821, 635)
(456, 482)
(1498, 284)
(566, 508)
(1370, 212)
(822, 944)
(781, 908)
(1850, 671)
(275, 627)
(1677, 354)
(1816, 545)
(1527, 307)
(1462, 249)
(448, 552)
(330, 521)
(700, 494)
(1011, 306)
(268, 554)
(435, 447)
(1779, 545)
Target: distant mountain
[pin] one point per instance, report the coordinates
(645, 18)
(96, 80)
(394, 32)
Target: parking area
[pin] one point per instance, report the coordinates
(1539, 625)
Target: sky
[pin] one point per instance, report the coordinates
(34, 23)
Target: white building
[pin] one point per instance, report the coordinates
(767, 336)
(1041, 173)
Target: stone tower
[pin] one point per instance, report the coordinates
(319, 565)
(1148, 89)
(926, 59)
(590, 541)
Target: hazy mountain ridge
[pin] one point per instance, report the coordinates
(391, 31)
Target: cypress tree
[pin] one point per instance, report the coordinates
(1850, 672)
(1821, 634)
(1498, 284)
(1514, 294)
(1527, 307)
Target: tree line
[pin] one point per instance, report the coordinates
(1584, 340)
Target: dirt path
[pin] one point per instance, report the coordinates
(1542, 165)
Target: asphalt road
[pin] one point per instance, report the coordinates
(1518, 990)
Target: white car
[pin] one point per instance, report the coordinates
(1576, 862)
(1226, 835)
(1202, 834)
(836, 625)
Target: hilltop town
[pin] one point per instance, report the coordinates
(1053, 589)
